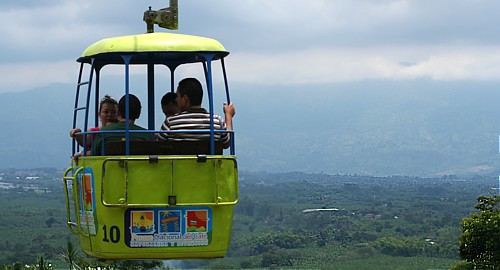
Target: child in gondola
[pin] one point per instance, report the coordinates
(108, 108)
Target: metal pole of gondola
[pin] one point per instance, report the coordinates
(151, 96)
(208, 75)
(126, 60)
(226, 85)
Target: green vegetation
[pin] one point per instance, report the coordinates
(356, 222)
(393, 222)
(32, 222)
(479, 244)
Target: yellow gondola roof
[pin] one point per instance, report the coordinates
(165, 46)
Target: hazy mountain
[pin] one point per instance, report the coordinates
(35, 127)
(372, 127)
(410, 127)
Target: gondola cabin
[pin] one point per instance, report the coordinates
(150, 199)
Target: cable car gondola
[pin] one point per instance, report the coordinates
(150, 199)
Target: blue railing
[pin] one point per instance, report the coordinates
(127, 140)
(95, 66)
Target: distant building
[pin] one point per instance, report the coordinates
(319, 209)
(376, 216)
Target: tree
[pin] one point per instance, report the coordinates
(479, 243)
(43, 265)
(273, 241)
(276, 257)
(70, 256)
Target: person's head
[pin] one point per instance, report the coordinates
(169, 105)
(107, 110)
(134, 107)
(189, 93)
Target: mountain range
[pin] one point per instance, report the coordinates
(414, 127)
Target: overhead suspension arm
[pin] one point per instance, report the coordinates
(165, 17)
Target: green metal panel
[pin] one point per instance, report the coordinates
(122, 175)
(126, 212)
(197, 185)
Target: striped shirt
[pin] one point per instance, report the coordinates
(193, 119)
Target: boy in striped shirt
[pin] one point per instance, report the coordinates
(194, 117)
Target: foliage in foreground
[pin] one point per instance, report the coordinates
(479, 245)
(75, 261)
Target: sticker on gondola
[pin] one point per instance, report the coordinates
(168, 227)
(87, 202)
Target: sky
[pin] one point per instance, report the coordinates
(274, 42)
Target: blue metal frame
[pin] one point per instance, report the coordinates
(127, 59)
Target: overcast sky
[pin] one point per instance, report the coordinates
(271, 42)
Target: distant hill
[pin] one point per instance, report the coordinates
(372, 127)
(35, 127)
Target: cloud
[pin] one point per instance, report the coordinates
(62, 29)
(23, 76)
(41, 32)
(279, 41)
(310, 66)
(278, 24)
(324, 65)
